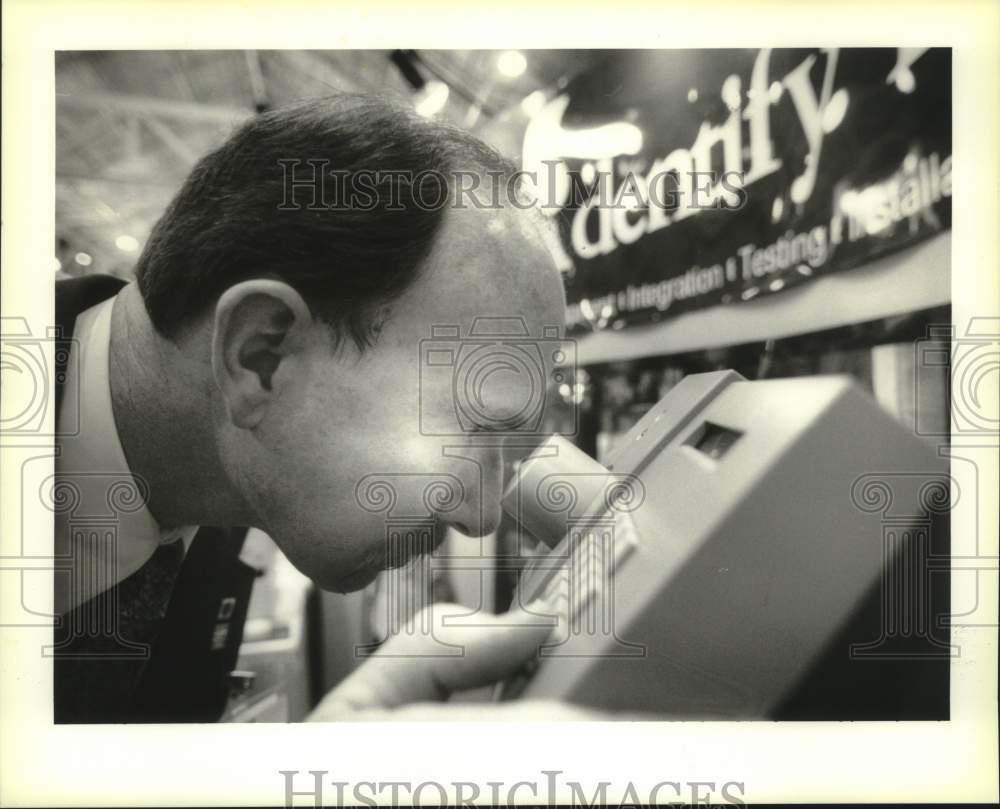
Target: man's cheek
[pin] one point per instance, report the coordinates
(444, 457)
(401, 478)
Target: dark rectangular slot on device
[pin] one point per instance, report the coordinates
(713, 440)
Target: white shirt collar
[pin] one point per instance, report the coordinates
(105, 529)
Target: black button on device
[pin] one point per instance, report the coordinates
(240, 682)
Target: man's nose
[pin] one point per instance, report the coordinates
(480, 471)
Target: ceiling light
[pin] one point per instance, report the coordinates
(83, 259)
(512, 64)
(431, 100)
(126, 243)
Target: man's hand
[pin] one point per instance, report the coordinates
(420, 667)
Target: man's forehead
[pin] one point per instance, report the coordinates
(518, 224)
(487, 264)
(507, 238)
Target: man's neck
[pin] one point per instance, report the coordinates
(163, 402)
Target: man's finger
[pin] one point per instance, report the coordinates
(437, 654)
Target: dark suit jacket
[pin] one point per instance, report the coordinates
(159, 645)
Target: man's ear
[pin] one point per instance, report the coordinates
(258, 326)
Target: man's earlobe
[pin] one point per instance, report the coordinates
(259, 329)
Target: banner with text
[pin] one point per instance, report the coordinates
(688, 178)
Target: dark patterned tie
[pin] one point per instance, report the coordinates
(102, 646)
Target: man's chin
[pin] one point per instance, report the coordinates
(352, 582)
(390, 556)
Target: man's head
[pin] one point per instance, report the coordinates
(310, 302)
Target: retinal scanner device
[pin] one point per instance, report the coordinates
(772, 549)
